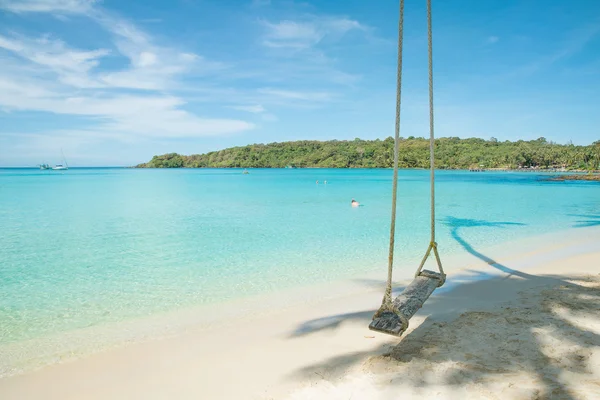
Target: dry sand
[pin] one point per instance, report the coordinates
(518, 324)
(545, 345)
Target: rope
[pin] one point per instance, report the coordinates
(387, 303)
(387, 297)
(431, 136)
(432, 242)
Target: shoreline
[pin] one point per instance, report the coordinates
(23, 356)
(528, 170)
(573, 172)
(295, 305)
(591, 177)
(72, 345)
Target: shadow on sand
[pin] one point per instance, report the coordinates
(486, 346)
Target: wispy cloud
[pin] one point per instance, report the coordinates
(306, 33)
(291, 34)
(573, 43)
(269, 118)
(117, 115)
(255, 109)
(492, 39)
(297, 95)
(133, 86)
(61, 6)
(71, 65)
(126, 115)
(150, 66)
(298, 50)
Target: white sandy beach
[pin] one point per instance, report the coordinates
(517, 321)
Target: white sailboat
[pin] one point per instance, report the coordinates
(64, 166)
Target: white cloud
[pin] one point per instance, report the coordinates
(573, 43)
(255, 109)
(25, 89)
(65, 6)
(125, 115)
(291, 34)
(492, 39)
(49, 74)
(147, 59)
(122, 29)
(341, 25)
(176, 123)
(71, 65)
(160, 72)
(152, 67)
(297, 95)
(297, 50)
(269, 118)
(305, 34)
(10, 44)
(27, 80)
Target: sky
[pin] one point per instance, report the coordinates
(115, 82)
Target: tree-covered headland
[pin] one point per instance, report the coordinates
(450, 153)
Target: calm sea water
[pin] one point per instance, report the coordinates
(89, 246)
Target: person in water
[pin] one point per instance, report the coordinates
(354, 203)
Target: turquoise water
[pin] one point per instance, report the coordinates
(89, 246)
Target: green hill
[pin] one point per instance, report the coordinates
(450, 153)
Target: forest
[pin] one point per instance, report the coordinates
(450, 153)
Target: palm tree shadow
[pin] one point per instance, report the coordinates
(456, 224)
(590, 220)
(333, 322)
(484, 345)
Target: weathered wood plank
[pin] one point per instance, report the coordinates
(407, 303)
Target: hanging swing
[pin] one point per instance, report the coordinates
(393, 315)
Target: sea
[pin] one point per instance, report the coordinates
(88, 247)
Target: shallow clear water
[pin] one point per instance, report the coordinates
(85, 247)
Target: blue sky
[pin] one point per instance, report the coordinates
(116, 82)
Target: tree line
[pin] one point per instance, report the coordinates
(450, 153)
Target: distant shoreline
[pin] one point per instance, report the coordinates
(450, 153)
(573, 174)
(595, 177)
(527, 170)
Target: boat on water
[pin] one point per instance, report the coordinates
(61, 167)
(245, 171)
(45, 166)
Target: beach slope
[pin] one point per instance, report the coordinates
(522, 323)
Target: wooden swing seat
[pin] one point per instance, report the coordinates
(407, 304)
